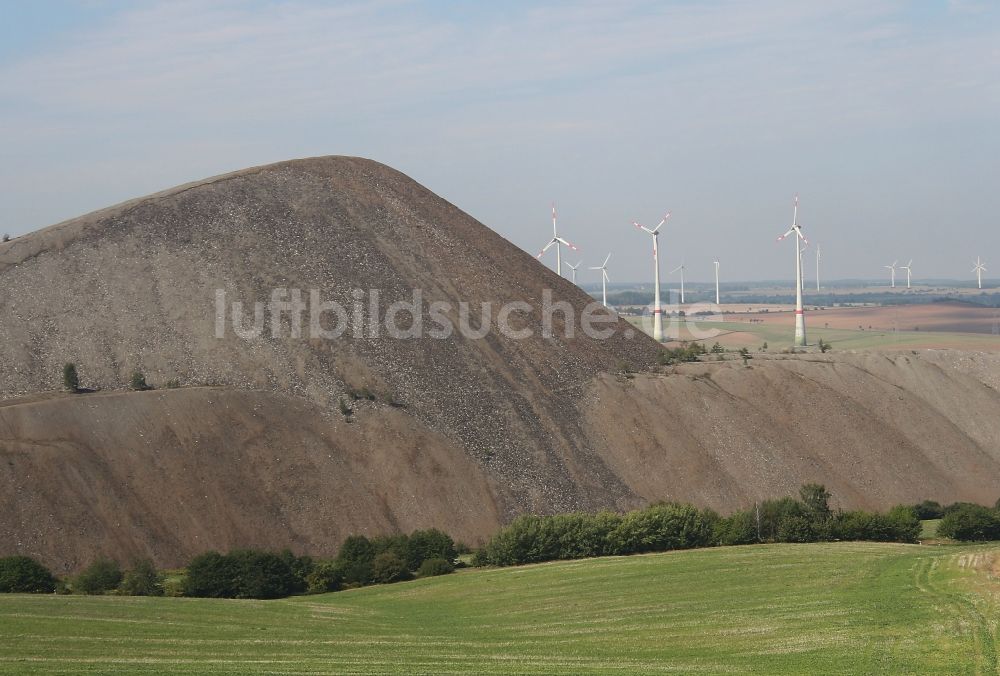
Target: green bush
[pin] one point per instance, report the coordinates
(687, 352)
(797, 529)
(211, 575)
(355, 560)
(142, 580)
(429, 544)
(971, 523)
(244, 574)
(774, 512)
(433, 567)
(103, 575)
(739, 528)
(138, 382)
(24, 575)
(389, 567)
(928, 509)
(71, 381)
(816, 499)
(899, 525)
(324, 577)
(660, 528)
(905, 523)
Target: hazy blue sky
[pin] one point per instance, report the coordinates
(883, 115)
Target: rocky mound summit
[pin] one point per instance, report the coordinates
(275, 438)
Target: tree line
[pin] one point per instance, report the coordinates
(360, 561)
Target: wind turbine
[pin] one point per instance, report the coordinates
(716, 282)
(892, 272)
(907, 267)
(681, 268)
(980, 266)
(558, 241)
(802, 250)
(573, 268)
(657, 312)
(604, 279)
(817, 267)
(800, 317)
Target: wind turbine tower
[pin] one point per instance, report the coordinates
(681, 268)
(573, 268)
(817, 267)
(892, 273)
(800, 317)
(716, 282)
(907, 267)
(980, 267)
(604, 279)
(657, 310)
(802, 250)
(558, 241)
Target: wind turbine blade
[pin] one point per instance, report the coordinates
(661, 223)
(595, 268)
(606, 260)
(545, 249)
(606, 278)
(642, 227)
(553, 219)
(571, 246)
(676, 269)
(790, 231)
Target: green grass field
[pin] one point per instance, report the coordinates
(820, 608)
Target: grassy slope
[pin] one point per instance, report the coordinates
(827, 608)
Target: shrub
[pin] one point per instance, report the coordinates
(433, 567)
(525, 540)
(685, 353)
(905, 523)
(24, 575)
(429, 544)
(899, 525)
(71, 381)
(739, 528)
(301, 567)
(345, 408)
(263, 575)
(971, 522)
(210, 575)
(797, 529)
(142, 580)
(928, 509)
(243, 573)
(955, 506)
(172, 384)
(138, 382)
(389, 567)
(355, 559)
(101, 576)
(816, 499)
(324, 577)
(397, 544)
(662, 527)
(774, 512)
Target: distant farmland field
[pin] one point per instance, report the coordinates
(822, 608)
(931, 326)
